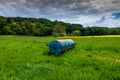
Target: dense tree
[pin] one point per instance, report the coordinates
(59, 30)
(7, 31)
(76, 33)
(2, 22)
(114, 31)
(45, 27)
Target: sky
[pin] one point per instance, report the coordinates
(103, 13)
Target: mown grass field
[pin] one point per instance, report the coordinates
(26, 58)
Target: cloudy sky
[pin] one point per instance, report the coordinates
(86, 12)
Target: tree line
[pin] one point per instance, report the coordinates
(45, 27)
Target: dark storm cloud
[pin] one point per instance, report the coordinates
(56, 7)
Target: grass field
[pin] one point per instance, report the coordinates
(26, 58)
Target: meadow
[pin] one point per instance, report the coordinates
(26, 58)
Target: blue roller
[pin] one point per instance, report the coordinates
(58, 46)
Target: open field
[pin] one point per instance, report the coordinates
(26, 58)
(102, 36)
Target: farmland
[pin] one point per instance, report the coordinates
(26, 58)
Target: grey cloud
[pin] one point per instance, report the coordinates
(58, 9)
(103, 18)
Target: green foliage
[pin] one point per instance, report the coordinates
(28, 26)
(114, 31)
(76, 33)
(2, 22)
(7, 31)
(45, 27)
(26, 58)
(59, 30)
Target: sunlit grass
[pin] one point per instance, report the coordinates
(90, 36)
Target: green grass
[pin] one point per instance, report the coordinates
(26, 58)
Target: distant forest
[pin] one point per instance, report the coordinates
(45, 27)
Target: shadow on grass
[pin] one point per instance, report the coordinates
(57, 54)
(53, 54)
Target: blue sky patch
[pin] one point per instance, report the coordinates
(116, 15)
